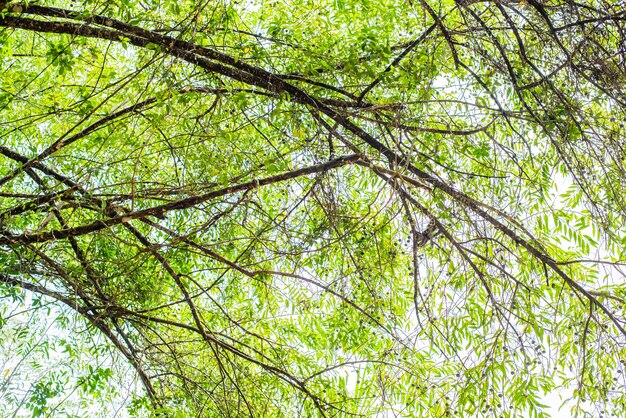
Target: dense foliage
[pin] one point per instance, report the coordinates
(312, 208)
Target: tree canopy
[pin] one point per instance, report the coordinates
(312, 208)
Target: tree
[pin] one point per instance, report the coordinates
(313, 208)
